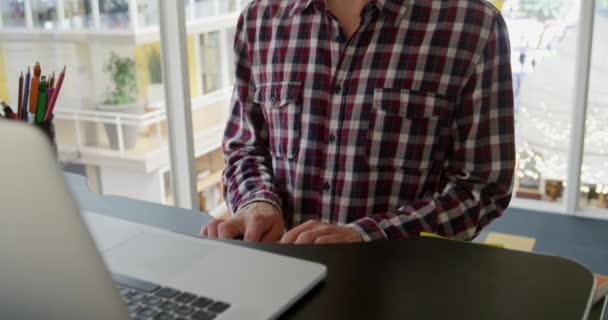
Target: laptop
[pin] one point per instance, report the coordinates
(60, 263)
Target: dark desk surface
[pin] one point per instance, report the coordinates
(403, 279)
(439, 279)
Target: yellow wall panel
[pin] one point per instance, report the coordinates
(142, 59)
(3, 78)
(194, 85)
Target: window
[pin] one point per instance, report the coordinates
(594, 175)
(114, 14)
(229, 40)
(148, 13)
(543, 42)
(210, 63)
(44, 14)
(205, 8)
(78, 14)
(13, 13)
(111, 119)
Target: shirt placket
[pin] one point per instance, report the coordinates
(343, 51)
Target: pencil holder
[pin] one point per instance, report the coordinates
(48, 127)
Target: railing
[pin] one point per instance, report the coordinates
(119, 120)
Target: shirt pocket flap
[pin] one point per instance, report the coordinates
(410, 104)
(278, 94)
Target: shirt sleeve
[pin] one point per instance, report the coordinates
(476, 183)
(248, 174)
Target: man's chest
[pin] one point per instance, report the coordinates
(383, 98)
(314, 51)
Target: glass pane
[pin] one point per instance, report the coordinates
(114, 14)
(543, 41)
(594, 176)
(227, 6)
(110, 120)
(230, 56)
(78, 14)
(210, 61)
(44, 14)
(148, 13)
(13, 13)
(205, 8)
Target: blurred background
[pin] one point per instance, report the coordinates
(111, 117)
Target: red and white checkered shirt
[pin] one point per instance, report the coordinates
(405, 127)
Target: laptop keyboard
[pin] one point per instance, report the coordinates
(149, 301)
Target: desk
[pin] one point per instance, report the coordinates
(403, 279)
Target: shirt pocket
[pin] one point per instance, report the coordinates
(281, 102)
(404, 129)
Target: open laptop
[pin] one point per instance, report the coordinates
(54, 267)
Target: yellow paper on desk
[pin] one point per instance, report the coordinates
(512, 242)
(432, 235)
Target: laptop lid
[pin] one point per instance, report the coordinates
(50, 267)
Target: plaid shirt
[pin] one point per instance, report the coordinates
(405, 127)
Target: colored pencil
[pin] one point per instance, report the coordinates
(20, 97)
(26, 94)
(51, 107)
(34, 88)
(52, 81)
(41, 110)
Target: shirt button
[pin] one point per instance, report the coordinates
(326, 187)
(332, 138)
(338, 89)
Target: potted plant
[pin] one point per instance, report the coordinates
(121, 98)
(155, 90)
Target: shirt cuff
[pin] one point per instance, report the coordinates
(368, 229)
(263, 196)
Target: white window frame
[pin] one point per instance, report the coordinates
(179, 111)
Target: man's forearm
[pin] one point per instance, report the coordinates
(455, 213)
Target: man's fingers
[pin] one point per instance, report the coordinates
(293, 234)
(231, 229)
(255, 227)
(309, 237)
(274, 234)
(330, 238)
(211, 228)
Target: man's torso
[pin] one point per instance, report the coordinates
(363, 125)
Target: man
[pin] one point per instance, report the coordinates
(358, 120)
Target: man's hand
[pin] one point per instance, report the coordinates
(317, 232)
(258, 221)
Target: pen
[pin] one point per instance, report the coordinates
(52, 81)
(41, 109)
(49, 94)
(34, 89)
(51, 107)
(20, 98)
(26, 95)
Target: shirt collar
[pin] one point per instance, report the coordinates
(394, 9)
